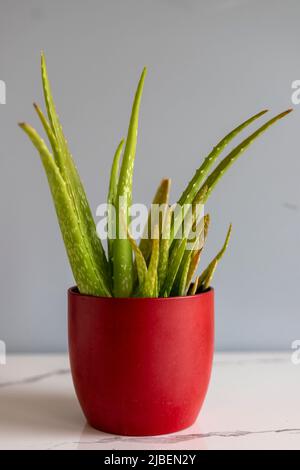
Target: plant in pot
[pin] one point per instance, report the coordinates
(141, 322)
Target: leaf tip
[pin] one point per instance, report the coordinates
(165, 183)
(285, 113)
(143, 76)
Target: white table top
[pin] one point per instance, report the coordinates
(253, 403)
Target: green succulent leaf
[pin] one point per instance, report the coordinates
(111, 198)
(186, 220)
(174, 264)
(123, 263)
(161, 198)
(49, 132)
(74, 185)
(149, 287)
(194, 287)
(188, 195)
(164, 248)
(207, 275)
(140, 261)
(194, 262)
(179, 285)
(210, 274)
(82, 263)
(184, 274)
(192, 258)
(217, 174)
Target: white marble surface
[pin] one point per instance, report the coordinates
(253, 403)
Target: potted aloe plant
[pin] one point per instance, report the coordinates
(141, 321)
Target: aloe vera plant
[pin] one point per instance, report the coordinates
(162, 264)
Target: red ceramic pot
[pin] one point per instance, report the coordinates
(141, 366)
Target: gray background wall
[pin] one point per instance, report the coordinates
(211, 65)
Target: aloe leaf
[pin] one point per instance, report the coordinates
(194, 262)
(182, 274)
(207, 281)
(123, 263)
(86, 275)
(207, 274)
(140, 261)
(194, 287)
(51, 110)
(164, 248)
(111, 198)
(183, 278)
(196, 253)
(74, 185)
(182, 270)
(206, 225)
(49, 132)
(189, 223)
(175, 260)
(193, 186)
(223, 166)
(161, 198)
(149, 287)
(156, 290)
(189, 219)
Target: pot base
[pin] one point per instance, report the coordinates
(148, 432)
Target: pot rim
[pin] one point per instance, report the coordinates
(75, 292)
